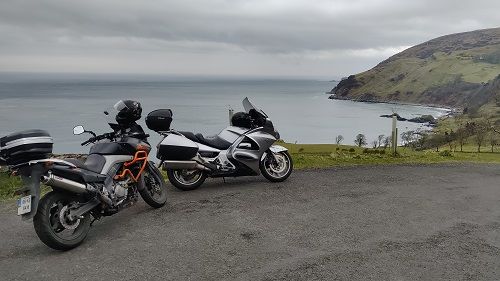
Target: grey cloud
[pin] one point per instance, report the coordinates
(263, 28)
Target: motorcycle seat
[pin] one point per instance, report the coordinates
(190, 136)
(214, 141)
(93, 163)
(79, 175)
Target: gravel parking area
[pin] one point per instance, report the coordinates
(431, 222)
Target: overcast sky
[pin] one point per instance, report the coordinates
(306, 38)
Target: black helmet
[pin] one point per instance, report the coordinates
(242, 119)
(128, 111)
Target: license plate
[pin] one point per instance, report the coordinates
(24, 205)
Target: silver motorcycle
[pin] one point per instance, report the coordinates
(246, 148)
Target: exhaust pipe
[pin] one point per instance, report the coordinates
(180, 165)
(63, 183)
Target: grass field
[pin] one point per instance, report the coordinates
(327, 155)
(330, 155)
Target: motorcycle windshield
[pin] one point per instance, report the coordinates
(247, 105)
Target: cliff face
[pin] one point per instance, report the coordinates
(459, 70)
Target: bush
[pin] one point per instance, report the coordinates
(445, 153)
(301, 149)
(352, 150)
(373, 151)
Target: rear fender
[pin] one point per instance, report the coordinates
(30, 176)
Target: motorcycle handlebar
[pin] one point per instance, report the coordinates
(109, 136)
(98, 138)
(85, 142)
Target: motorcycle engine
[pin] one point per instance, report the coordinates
(120, 189)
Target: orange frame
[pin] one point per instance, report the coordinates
(139, 156)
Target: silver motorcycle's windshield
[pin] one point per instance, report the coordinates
(247, 105)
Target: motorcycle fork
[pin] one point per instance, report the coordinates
(273, 156)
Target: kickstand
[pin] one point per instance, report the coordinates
(93, 220)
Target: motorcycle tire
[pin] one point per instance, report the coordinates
(48, 225)
(271, 173)
(154, 194)
(173, 177)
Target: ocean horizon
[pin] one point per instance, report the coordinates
(299, 108)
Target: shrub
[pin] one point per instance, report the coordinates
(352, 150)
(445, 153)
(301, 149)
(373, 151)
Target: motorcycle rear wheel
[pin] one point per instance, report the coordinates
(186, 180)
(50, 222)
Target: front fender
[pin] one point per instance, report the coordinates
(152, 169)
(277, 148)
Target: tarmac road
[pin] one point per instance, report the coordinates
(434, 222)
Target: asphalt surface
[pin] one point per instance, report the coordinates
(436, 222)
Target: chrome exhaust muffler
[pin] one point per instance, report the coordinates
(63, 183)
(181, 165)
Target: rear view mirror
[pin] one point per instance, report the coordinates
(78, 130)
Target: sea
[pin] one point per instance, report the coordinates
(299, 108)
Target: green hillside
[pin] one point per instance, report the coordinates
(458, 70)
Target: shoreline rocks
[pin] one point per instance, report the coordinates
(429, 119)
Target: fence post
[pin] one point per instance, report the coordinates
(394, 134)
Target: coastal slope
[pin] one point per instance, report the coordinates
(457, 70)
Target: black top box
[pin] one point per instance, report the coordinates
(159, 120)
(25, 146)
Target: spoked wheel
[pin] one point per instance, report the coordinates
(186, 179)
(53, 225)
(277, 168)
(154, 191)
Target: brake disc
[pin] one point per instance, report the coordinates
(280, 166)
(64, 220)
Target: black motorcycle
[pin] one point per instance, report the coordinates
(111, 178)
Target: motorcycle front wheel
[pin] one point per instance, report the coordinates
(277, 168)
(154, 189)
(54, 227)
(186, 180)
